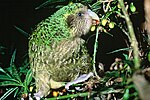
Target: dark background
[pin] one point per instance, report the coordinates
(22, 13)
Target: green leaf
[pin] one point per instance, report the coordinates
(10, 83)
(13, 58)
(2, 50)
(16, 92)
(28, 78)
(22, 31)
(112, 73)
(7, 78)
(14, 73)
(11, 90)
(126, 56)
(24, 68)
(49, 2)
(126, 95)
(4, 77)
(12, 69)
(3, 71)
(123, 49)
(149, 56)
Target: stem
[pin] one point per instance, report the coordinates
(72, 96)
(94, 54)
(85, 94)
(133, 41)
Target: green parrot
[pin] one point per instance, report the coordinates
(57, 53)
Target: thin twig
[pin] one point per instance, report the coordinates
(94, 54)
(72, 95)
(84, 94)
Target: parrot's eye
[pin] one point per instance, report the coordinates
(80, 14)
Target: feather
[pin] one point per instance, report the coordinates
(56, 50)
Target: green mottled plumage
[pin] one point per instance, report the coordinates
(56, 50)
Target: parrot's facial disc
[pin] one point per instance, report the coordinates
(82, 20)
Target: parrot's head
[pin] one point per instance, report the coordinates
(82, 20)
(72, 20)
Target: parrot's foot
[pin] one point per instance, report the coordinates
(53, 85)
(38, 95)
(80, 79)
(56, 85)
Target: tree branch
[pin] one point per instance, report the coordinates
(133, 41)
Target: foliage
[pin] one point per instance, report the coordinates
(117, 83)
(22, 31)
(11, 78)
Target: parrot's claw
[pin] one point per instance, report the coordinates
(38, 95)
(80, 79)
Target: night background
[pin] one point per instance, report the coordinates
(24, 15)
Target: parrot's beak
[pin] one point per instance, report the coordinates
(95, 18)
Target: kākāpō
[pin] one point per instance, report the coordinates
(57, 53)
